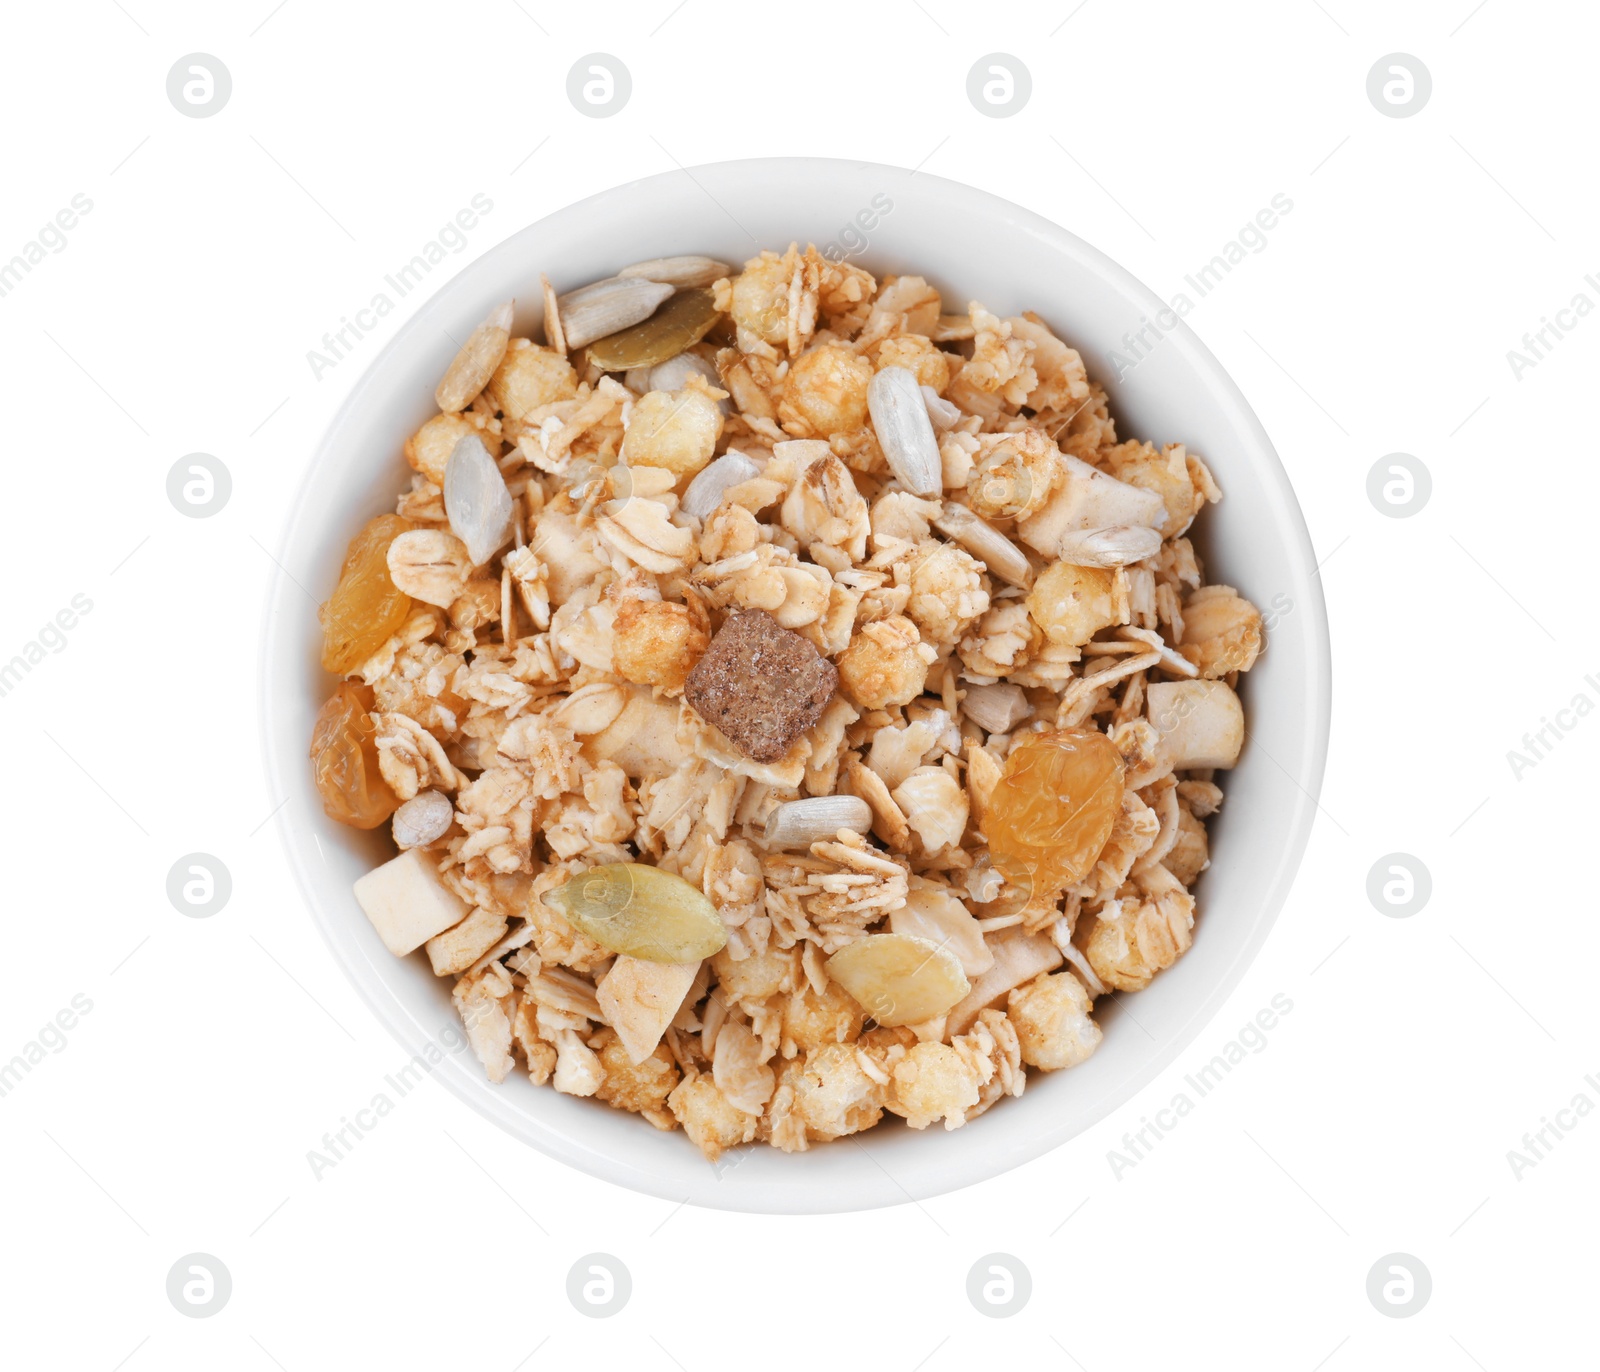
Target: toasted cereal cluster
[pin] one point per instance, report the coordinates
(906, 551)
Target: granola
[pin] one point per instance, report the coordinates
(792, 704)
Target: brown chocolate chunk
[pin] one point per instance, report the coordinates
(761, 684)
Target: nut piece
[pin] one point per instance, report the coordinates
(640, 998)
(936, 914)
(642, 911)
(1018, 957)
(430, 565)
(1201, 723)
(996, 709)
(942, 413)
(738, 1070)
(407, 903)
(762, 685)
(1116, 546)
(480, 356)
(800, 823)
(422, 819)
(476, 500)
(457, 949)
(706, 491)
(905, 433)
(899, 978)
(1085, 498)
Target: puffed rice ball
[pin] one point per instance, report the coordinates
(826, 392)
(885, 664)
(531, 377)
(812, 1018)
(1221, 632)
(835, 1096)
(656, 642)
(710, 1120)
(760, 298)
(1051, 1017)
(643, 1087)
(918, 355)
(947, 592)
(1072, 604)
(1014, 475)
(932, 1082)
(756, 977)
(1139, 939)
(428, 450)
(676, 430)
(1171, 474)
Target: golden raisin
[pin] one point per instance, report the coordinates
(1052, 810)
(366, 607)
(344, 760)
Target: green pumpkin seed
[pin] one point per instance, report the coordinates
(641, 911)
(678, 324)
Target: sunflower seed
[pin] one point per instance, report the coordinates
(469, 371)
(991, 547)
(798, 823)
(592, 312)
(706, 491)
(679, 271)
(905, 433)
(476, 499)
(1117, 546)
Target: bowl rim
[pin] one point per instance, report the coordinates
(1019, 1146)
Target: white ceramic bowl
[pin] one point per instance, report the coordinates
(973, 246)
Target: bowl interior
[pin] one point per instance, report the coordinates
(973, 246)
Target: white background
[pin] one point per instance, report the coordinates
(178, 1116)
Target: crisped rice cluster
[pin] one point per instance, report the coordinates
(531, 713)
